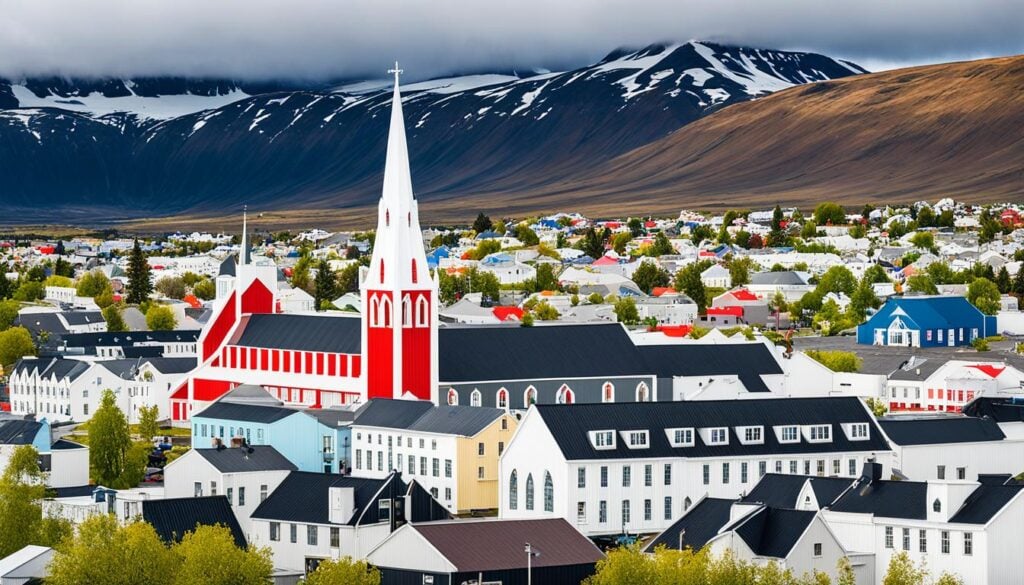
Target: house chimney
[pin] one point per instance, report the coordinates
(872, 471)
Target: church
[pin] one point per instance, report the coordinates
(397, 349)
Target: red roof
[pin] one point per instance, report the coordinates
(660, 290)
(743, 295)
(193, 301)
(605, 261)
(990, 370)
(46, 249)
(650, 224)
(612, 225)
(675, 330)
(735, 311)
(504, 313)
(706, 254)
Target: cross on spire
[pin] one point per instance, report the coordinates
(396, 71)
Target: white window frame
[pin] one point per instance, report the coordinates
(670, 434)
(632, 439)
(708, 435)
(857, 431)
(810, 432)
(781, 431)
(743, 432)
(602, 445)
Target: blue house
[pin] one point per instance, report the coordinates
(315, 439)
(926, 321)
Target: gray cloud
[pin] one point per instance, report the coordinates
(303, 39)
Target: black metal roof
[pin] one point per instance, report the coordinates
(242, 459)
(749, 361)
(941, 429)
(19, 431)
(701, 523)
(570, 425)
(781, 491)
(999, 409)
(772, 532)
(171, 365)
(421, 416)
(64, 444)
(245, 412)
(336, 334)
(125, 338)
(174, 517)
(82, 317)
(471, 354)
(304, 497)
(984, 503)
(886, 499)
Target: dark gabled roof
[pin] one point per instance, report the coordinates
(941, 429)
(917, 369)
(1001, 410)
(334, 334)
(245, 412)
(472, 354)
(787, 277)
(749, 361)
(701, 523)
(122, 368)
(332, 417)
(126, 338)
(172, 365)
(772, 532)
(781, 491)
(241, 460)
(464, 421)
(227, 267)
(82, 317)
(39, 322)
(64, 444)
(496, 545)
(886, 499)
(74, 491)
(304, 497)
(18, 431)
(174, 517)
(984, 503)
(570, 425)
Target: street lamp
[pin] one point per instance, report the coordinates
(528, 549)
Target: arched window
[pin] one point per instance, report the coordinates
(686, 504)
(382, 271)
(502, 399)
(513, 491)
(408, 219)
(608, 392)
(414, 271)
(937, 505)
(385, 310)
(453, 397)
(642, 394)
(529, 397)
(374, 311)
(565, 395)
(474, 398)
(406, 311)
(529, 491)
(549, 493)
(422, 311)
(387, 217)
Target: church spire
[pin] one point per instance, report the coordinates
(243, 252)
(397, 178)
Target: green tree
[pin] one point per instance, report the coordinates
(875, 274)
(661, 245)
(1018, 284)
(844, 572)
(876, 406)
(739, 270)
(902, 571)
(301, 270)
(210, 556)
(626, 312)
(809, 230)
(485, 248)
(348, 279)
(777, 237)
(829, 213)
(29, 291)
(923, 240)
(92, 283)
(742, 239)
(649, 275)
(104, 552)
(701, 233)
(6, 287)
(482, 223)
(1003, 281)
(925, 216)
(923, 284)
(595, 298)
(526, 235)
(619, 242)
(172, 287)
(115, 321)
(191, 278)
(862, 299)
(837, 279)
(688, 282)
(546, 277)
(110, 446)
(636, 226)
(15, 343)
(837, 361)
(140, 284)
(22, 489)
(161, 318)
(325, 289)
(344, 570)
(205, 289)
(58, 280)
(984, 294)
(147, 422)
(591, 243)
(8, 313)
(545, 311)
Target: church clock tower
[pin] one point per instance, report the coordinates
(398, 295)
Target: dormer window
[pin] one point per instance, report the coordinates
(636, 439)
(680, 437)
(715, 436)
(751, 435)
(819, 433)
(788, 434)
(857, 431)
(602, 440)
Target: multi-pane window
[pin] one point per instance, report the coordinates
(707, 474)
(821, 433)
(275, 531)
(792, 467)
(648, 475)
(480, 449)
(752, 434)
(637, 439)
(263, 492)
(719, 436)
(311, 535)
(602, 511)
(581, 477)
(961, 473)
(836, 466)
(529, 491)
(743, 472)
(725, 472)
(940, 472)
(859, 431)
(668, 474)
(241, 496)
(423, 466)
(888, 537)
(647, 510)
(968, 543)
(681, 437)
(853, 467)
(625, 511)
(436, 467)
(906, 539)
(549, 493)
(922, 541)
(790, 434)
(412, 465)
(447, 467)
(668, 507)
(335, 537)
(604, 439)
(762, 468)
(945, 542)
(581, 512)
(627, 476)
(293, 533)
(604, 476)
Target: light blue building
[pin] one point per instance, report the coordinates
(316, 440)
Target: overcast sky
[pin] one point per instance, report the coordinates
(314, 39)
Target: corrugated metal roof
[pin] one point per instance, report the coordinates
(174, 517)
(335, 334)
(781, 491)
(495, 545)
(570, 425)
(984, 503)
(18, 431)
(245, 412)
(304, 497)
(701, 523)
(241, 460)
(886, 499)
(941, 429)
(749, 361)
(772, 532)
(464, 421)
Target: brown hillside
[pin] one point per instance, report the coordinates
(954, 129)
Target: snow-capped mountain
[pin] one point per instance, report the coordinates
(145, 147)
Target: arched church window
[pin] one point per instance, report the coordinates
(385, 310)
(502, 399)
(453, 397)
(382, 271)
(513, 491)
(565, 395)
(406, 311)
(529, 397)
(414, 271)
(529, 491)
(422, 311)
(549, 493)
(408, 218)
(642, 392)
(608, 392)
(387, 217)
(474, 398)
(374, 311)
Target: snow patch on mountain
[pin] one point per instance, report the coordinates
(157, 108)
